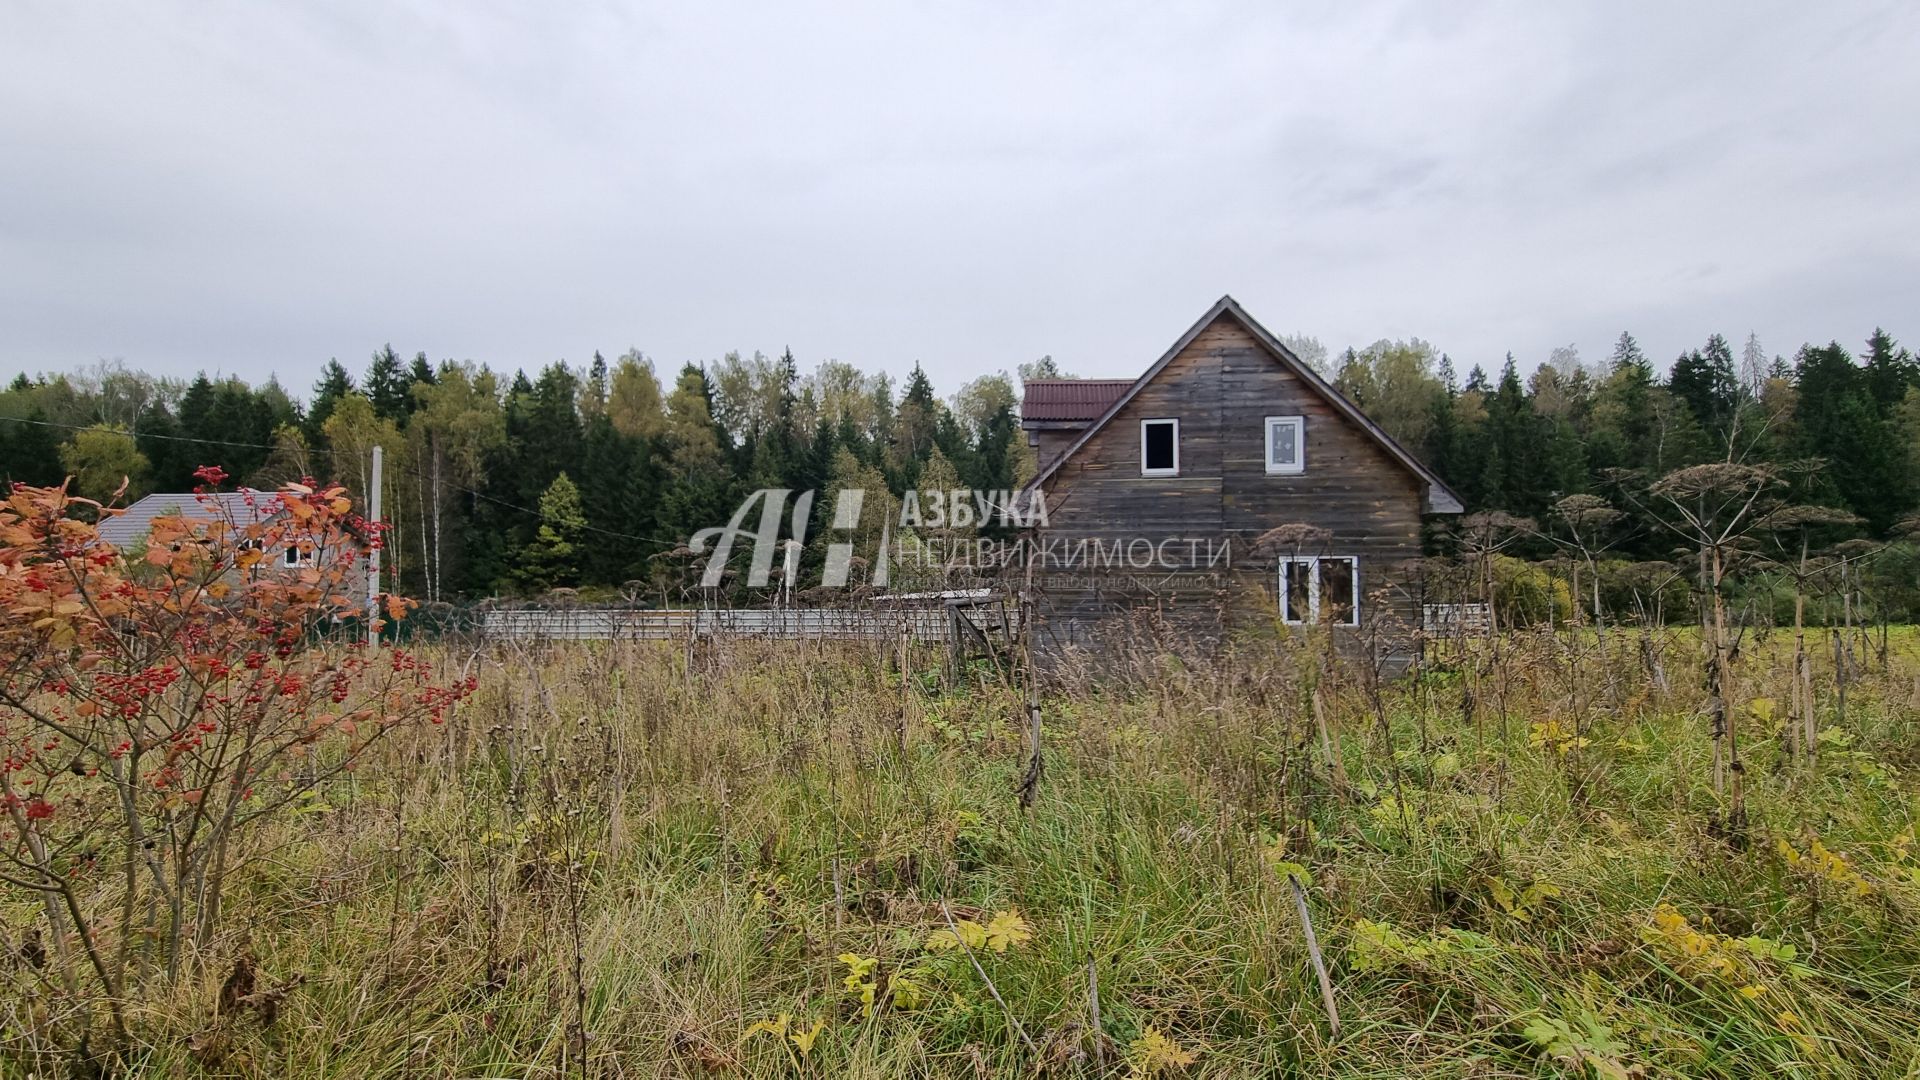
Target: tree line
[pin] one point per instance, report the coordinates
(1848, 428)
(574, 477)
(594, 476)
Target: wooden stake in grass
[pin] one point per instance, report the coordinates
(1030, 780)
(1093, 1012)
(839, 895)
(1313, 951)
(1328, 745)
(947, 913)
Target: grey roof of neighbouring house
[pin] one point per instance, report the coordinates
(128, 528)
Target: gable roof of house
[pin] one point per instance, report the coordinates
(125, 529)
(1069, 399)
(1440, 499)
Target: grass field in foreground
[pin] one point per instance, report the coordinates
(784, 861)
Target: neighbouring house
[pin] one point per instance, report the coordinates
(128, 530)
(1228, 483)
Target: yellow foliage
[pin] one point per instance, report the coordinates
(965, 931)
(1735, 961)
(1005, 930)
(1154, 1053)
(905, 991)
(781, 1027)
(860, 980)
(776, 1027)
(1521, 904)
(1822, 862)
(1555, 736)
(1792, 1025)
(804, 1039)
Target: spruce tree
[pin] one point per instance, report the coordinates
(1706, 381)
(157, 435)
(1516, 477)
(1840, 421)
(593, 391)
(1442, 452)
(994, 459)
(1890, 371)
(619, 493)
(912, 431)
(551, 436)
(551, 560)
(1622, 420)
(387, 385)
(244, 429)
(420, 372)
(29, 452)
(334, 384)
(196, 412)
(698, 484)
(950, 440)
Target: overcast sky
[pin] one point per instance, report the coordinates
(254, 188)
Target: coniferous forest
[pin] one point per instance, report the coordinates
(586, 476)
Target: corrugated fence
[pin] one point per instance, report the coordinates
(604, 624)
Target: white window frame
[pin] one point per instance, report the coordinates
(1312, 563)
(292, 558)
(1299, 446)
(1175, 421)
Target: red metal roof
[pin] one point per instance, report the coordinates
(1070, 399)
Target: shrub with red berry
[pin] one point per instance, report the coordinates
(156, 706)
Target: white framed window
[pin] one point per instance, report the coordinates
(292, 557)
(1286, 445)
(1160, 447)
(1320, 588)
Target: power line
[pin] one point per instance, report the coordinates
(417, 475)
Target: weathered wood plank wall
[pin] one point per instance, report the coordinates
(1222, 387)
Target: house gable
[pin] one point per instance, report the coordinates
(1228, 363)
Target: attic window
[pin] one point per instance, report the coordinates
(1286, 444)
(1160, 447)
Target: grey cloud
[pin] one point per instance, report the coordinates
(255, 188)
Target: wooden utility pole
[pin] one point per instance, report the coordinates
(373, 554)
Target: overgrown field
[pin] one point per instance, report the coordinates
(791, 861)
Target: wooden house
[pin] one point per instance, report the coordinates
(1228, 483)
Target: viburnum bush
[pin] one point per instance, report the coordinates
(157, 705)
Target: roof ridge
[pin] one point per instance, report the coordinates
(1447, 502)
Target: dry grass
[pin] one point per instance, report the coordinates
(689, 849)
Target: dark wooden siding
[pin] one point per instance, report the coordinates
(1222, 387)
(1050, 442)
